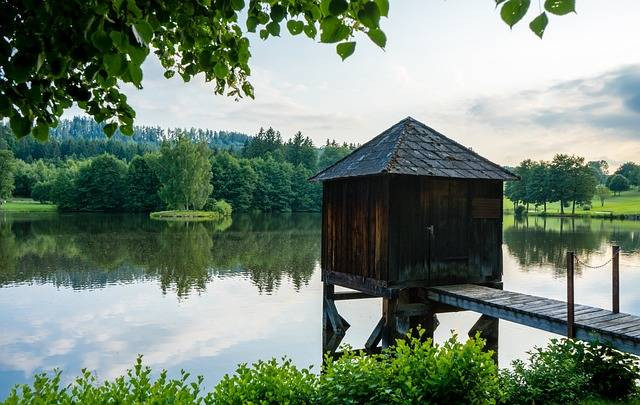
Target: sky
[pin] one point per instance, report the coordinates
(452, 64)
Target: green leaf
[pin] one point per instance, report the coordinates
(560, 7)
(273, 28)
(383, 5)
(237, 4)
(40, 132)
(310, 30)
(145, 30)
(277, 13)
(324, 7)
(169, 74)
(378, 37)
(369, 16)
(5, 107)
(333, 30)
(138, 54)
(252, 23)
(127, 130)
(264, 34)
(21, 126)
(110, 129)
(337, 7)
(248, 89)
(221, 70)
(120, 40)
(539, 24)
(346, 49)
(101, 40)
(295, 27)
(136, 74)
(112, 63)
(513, 10)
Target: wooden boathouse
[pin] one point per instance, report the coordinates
(412, 208)
(409, 209)
(415, 218)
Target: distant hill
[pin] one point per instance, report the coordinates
(82, 137)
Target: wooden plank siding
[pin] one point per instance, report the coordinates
(378, 227)
(355, 227)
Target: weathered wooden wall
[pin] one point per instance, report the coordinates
(355, 227)
(379, 227)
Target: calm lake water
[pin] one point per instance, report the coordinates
(94, 291)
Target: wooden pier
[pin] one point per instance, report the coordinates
(415, 218)
(621, 330)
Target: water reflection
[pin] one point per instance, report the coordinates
(541, 241)
(92, 251)
(95, 290)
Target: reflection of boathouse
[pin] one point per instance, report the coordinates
(409, 209)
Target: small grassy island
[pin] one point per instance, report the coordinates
(187, 215)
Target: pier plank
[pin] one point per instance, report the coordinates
(621, 330)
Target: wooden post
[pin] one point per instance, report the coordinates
(615, 307)
(489, 328)
(570, 296)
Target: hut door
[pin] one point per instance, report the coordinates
(449, 253)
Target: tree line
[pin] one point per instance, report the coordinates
(267, 174)
(568, 180)
(82, 137)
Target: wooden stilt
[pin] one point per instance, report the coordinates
(334, 325)
(376, 335)
(489, 330)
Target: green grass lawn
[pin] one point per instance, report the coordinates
(627, 203)
(26, 205)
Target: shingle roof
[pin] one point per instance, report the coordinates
(412, 148)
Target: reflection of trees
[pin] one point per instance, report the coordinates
(91, 251)
(277, 246)
(539, 241)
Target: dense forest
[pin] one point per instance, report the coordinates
(79, 169)
(81, 138)
(570, 181)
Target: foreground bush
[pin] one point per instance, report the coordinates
(571, 371)
(134, 388)
(415, 371)
(267, 383)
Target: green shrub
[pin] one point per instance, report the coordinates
(586, 207)
(413, 371)
(134, 388)
(221, 207)
(569, 371)
(267, 383)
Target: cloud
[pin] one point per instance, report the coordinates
(279, 103)
(609, 103)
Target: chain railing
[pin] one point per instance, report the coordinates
(572, 259)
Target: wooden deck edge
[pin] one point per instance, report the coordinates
(619, 341)
(366, 285)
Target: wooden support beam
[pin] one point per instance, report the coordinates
(338, 325)
(351, 295)
(367, 285)
(488, 327)
(376, 335)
